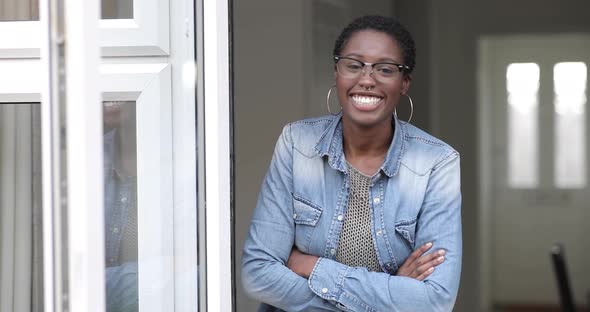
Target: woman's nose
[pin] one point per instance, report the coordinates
(367, 78)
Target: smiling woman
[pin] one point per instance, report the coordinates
(359, 211)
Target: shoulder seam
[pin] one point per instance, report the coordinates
(446, 158)
(425, 140)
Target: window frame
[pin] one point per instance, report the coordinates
(149, 86)
(199, 28)
(146, 34)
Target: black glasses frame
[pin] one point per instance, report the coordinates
(402, 68)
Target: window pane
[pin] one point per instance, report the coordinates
(19, 10)
(120, 205)
(522, 83)
(28, 10)
(21, 246)
(570, 124)
(116, 9)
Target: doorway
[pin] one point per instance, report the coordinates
(534, 156)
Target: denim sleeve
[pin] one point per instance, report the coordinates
(439, 222)
(121, 288)
(265, 276)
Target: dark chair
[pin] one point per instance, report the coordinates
(563, 283)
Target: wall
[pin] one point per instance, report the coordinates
(269, 92)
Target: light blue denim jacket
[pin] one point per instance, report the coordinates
(119, 196)
(415, 199)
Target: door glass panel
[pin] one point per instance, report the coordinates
(570, 124)
(19, 10)
(522, 83)
(117, 9)
(28, 10)
(120, 191)
(21, 262)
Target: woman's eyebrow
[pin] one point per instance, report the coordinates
(381, 60)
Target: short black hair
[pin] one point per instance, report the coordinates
(388, 25)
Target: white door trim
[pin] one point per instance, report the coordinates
(217, 155)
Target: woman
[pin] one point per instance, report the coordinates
(352, 202)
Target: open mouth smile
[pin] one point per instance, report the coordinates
(365, 102)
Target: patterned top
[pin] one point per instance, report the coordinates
(128, 250)
(356, 247)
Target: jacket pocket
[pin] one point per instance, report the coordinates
(305, 212)
(407, 230)
(306, 216)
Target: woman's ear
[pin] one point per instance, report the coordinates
(407, 80)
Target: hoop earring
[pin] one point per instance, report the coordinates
(411, 108)
(328, 102)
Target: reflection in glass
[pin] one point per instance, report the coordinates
(522, 82)
(19, 10)
(117, 9)
(21, 262)
(120, 205)
(570, 124)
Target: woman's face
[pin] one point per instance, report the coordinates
(367, 102)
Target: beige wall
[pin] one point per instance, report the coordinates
(269, 92)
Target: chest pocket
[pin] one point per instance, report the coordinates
(306, 216)
(407, 230)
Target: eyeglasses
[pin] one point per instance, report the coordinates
(353, 69)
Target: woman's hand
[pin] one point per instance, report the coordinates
(420, 266)
(301, 263)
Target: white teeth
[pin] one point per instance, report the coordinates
(365, 100)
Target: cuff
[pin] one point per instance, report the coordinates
(327, 279)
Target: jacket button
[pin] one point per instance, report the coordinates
(294, 216)
(340, 217)
(324, 290)
(376, 200)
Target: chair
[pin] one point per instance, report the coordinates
(563, 283)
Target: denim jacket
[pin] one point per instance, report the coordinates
(415, 199)
(119, 196)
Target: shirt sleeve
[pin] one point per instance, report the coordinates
(265, 276)
(121, 288)
(439, 221)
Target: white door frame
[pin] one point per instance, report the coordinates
(72, 175)
(217, 155)
(84, 265)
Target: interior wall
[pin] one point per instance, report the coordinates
(415, 15)
(453, 32)
(269, 92)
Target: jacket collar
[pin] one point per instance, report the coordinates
(330, 145)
